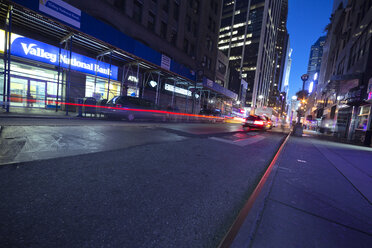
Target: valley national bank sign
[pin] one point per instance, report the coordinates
(39, 51)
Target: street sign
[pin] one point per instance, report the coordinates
(305, 77)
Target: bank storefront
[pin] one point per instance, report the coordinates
(39, 75)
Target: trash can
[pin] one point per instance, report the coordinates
(89, 106)
(100, 106)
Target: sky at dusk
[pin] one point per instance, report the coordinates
(307, 20)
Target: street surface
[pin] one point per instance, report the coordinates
(85, 183)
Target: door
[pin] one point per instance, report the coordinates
(18, 92)
(37, 90)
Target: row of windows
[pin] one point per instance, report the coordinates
(360, 47)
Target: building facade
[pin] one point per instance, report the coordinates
(315, 61)
(343, 95)
(248, 35)
(52, 60)
(186, 31)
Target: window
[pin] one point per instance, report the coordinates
(188, 23)
(163, 30)
(151, 21)
(195, 29)
(209, 23)
(166, 6)
(192, 50)
(174, 37)
(221, 67)
(186, 46)
(209, 44)
(137, 11)
(176, 11)
(120, 4)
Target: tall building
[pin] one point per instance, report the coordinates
(186, 31)
(281, 56)
(315, 61)
(337, 4)
(248, 35)
(287, 69)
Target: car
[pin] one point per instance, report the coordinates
(255, 122)
(269, 123)
(131, 108)
(210, 112)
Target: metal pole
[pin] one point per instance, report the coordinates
(69, 77)
(137, 78)
(187, 98)
(108, 84)
(9, 56)
(59, 73)
(95, 75)
(157, 90)
(209, 92)
(144, 80)
(5, 63)
(174, 89)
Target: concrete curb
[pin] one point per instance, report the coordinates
(242, 235)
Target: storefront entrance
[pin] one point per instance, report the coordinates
(28, 92)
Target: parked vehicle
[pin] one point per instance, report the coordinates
(131, 108)
(256, 122)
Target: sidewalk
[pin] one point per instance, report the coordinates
(319, 194)
(39, 113)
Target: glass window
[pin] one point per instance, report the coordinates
(137, 11)
(163, 30)
(151, 21)
(98, 88)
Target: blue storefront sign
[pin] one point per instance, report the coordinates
(61, 10)
(220, 89)
(35, 50)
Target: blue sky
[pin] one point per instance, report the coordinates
(307, 20)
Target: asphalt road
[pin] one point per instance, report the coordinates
(118, 184)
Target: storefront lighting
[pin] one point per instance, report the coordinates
(153, 83)
(133, 79)
(178, 90)
(311, 86)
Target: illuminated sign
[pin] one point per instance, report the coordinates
(369, 89)
(311, 86)
(133, 79)
(153, 83)
(61, 10)
(177, 90)
(35, 50)
(316, 76)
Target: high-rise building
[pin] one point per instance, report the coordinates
(315, 61)
(337, 4)
(186, 31)
(287, 70)
(280, 60)
(248, 35)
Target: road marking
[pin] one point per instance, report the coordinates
(241, 142)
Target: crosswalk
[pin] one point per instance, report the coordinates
(240, 141)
